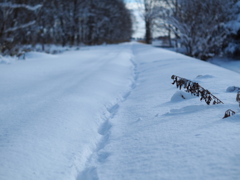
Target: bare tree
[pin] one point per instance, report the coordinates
(150, 12)
(8, 28)
(232, 48)
(200, 25)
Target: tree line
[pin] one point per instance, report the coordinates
(205, 28)
(62, 22)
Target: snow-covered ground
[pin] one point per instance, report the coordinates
(111, 112)
(230, 64)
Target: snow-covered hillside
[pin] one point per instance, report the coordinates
(111, 112)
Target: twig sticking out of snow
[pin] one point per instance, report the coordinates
(195, 89)
(228, 113)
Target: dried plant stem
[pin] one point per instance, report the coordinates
(195, 89)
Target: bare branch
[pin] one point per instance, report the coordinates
(19, 27)
(13, 6)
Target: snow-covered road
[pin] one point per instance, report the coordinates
(52, 106)
(111, 112)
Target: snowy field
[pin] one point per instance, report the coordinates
(111, 113)
(230, 64)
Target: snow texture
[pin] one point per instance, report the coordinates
(52, 106)
(111, 112)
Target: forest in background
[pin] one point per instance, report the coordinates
(61, 22)
(204, 28)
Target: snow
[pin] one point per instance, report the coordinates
(234, 25)
(233, 65)
(181, 96)
(111, 112)
(52, 106)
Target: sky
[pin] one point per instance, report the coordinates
(139, 28)
(139, 25)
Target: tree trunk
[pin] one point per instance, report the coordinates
(148, 33)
